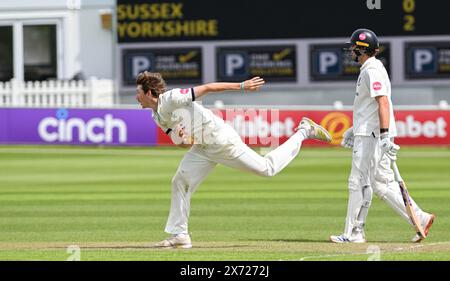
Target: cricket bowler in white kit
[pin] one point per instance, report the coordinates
(211, 142)
(371, 138)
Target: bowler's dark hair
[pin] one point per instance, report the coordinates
(151, 81)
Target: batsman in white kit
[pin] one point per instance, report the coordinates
(211, 142)
(372, 140)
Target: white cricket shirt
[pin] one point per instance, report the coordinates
(373, 81)
(210, 132)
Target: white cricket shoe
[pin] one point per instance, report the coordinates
(426, 228)
(182, 241)
(314, 130)
(357, 238)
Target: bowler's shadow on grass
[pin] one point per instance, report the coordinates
(221, 247)
(151, 247)
(110, 247)
(292, 240)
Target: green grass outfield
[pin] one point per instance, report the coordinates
(113, 204)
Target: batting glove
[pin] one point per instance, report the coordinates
(388, 147)
(348, 138)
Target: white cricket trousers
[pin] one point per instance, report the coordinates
(197, 164)
(372, 170)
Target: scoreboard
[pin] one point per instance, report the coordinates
(292, 43)
(141, 20)
(159, 20)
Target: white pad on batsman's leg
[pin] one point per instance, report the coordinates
(358, 207)
(358, 234)
(355, 200)
(360, 192)
(392, 196)
(388, 190)
(367, 200)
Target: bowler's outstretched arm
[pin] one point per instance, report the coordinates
(249, 85)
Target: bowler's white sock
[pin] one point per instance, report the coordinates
(303, 134)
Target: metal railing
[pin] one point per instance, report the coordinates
(54, 93)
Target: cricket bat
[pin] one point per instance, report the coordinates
(407, 201)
